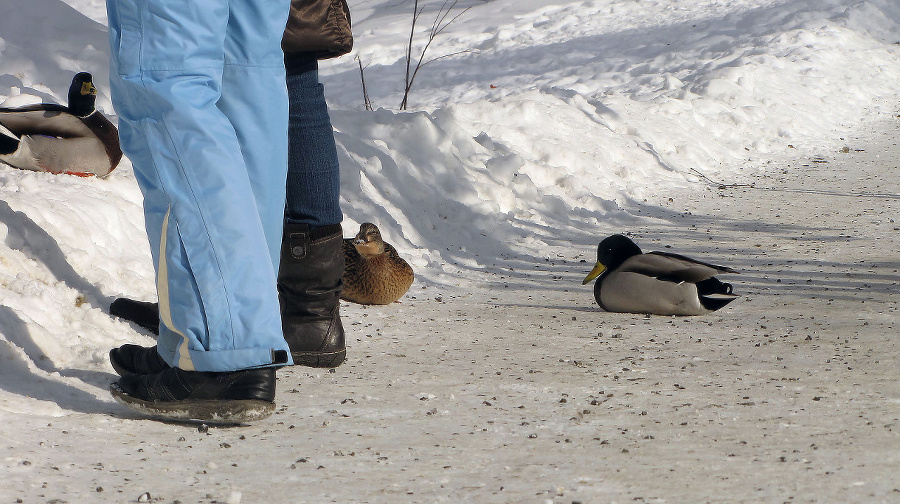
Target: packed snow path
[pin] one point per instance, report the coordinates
(523, 390)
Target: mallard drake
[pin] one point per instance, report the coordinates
(373, 271)
(656, 282)
(48, 137)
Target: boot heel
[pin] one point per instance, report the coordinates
(319, 359)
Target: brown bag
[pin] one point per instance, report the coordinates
(321, 27)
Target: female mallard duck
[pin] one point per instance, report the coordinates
(76, 140)
(656, 282)
(373, 271)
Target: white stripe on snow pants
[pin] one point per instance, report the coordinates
(199, 89)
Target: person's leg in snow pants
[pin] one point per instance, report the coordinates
(199, 89)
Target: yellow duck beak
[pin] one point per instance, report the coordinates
(598, 270)
(87, 88)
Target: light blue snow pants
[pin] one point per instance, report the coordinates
(199, 89)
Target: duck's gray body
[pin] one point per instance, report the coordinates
(656, 283)
(51, 138)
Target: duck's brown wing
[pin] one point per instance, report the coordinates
(401, 268)
(351, 255)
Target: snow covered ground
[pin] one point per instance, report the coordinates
(760, 134)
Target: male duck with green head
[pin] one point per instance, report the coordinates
(657, 283)
(75, 139)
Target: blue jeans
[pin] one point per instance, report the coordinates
(313, 179)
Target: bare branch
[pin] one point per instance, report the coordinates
(457, 53)
(412, 31)
(438, 26)
(362, 78)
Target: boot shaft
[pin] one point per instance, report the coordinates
(309, 288)
(312, 265)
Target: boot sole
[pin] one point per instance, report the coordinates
(319, 359)
(222, 412)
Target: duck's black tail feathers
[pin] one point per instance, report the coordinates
(714, 293)
(9, 142)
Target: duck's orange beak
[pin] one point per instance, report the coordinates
(366, 249)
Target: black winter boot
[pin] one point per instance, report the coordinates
(135, 359)
(226, 398)
(142, 313)
(309, 287)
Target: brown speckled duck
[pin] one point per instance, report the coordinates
(373, 272)
(75, 139)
